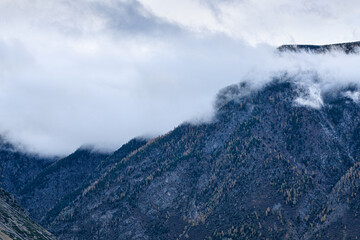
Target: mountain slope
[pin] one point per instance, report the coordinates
(61, 182)
(268, 166)
(57, 180)
(14, 224)
(100, 169)
(17, 168)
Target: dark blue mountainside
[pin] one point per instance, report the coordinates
(18, 168)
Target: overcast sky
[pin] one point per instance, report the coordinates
(105, 71)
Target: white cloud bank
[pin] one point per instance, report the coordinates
(80, 72)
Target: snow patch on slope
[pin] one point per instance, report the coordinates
(310, 96)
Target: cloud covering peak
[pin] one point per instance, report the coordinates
(102, 72)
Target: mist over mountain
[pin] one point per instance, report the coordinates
(277, 160)
(155, 97)
(115, 69)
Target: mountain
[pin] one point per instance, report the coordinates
(15, 224)
(348, 48)
(17, 167)
(279, 162)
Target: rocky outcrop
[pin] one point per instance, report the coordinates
(15, 224)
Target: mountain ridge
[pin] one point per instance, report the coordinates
(348, 48)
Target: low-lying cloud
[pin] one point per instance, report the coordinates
(93, 72)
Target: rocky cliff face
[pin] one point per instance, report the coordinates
(15, 224)
(277, 162)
